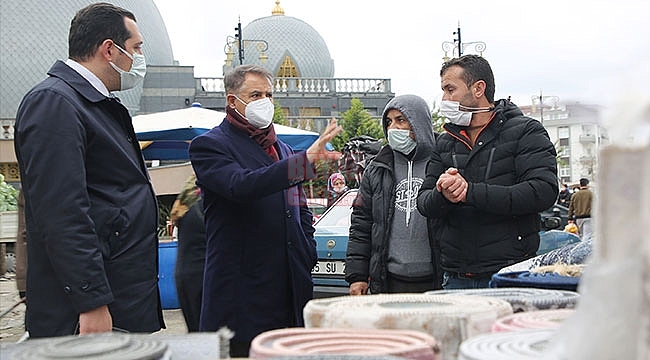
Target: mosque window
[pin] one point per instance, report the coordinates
(288, 68)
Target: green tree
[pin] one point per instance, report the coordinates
(436, 119)
(278, 114)
(559, 150)
(357, 121)
(8, 196)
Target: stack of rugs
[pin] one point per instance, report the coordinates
(559, 269)
(450, 325)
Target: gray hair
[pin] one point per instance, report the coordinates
(234, 79)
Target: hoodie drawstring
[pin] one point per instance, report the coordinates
(409, 184)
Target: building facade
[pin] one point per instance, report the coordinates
(305, 87)
(577, 133)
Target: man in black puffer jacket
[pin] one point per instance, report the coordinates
(492, 172)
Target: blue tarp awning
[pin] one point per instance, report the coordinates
(166, 135)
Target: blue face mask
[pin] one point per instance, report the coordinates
(135, 76)
(400, 140)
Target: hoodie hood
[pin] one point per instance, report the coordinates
(417, 112)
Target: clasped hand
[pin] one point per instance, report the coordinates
(452, 185)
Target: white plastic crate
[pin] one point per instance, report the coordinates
(8, 226)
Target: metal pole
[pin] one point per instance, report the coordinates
(460, 44)
(541, 108)
(240, 43)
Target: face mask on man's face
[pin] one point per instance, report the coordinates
(135, 76)
(458, 114)
(259, 113)
(400, 140)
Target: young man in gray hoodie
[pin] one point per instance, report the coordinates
(390, 249)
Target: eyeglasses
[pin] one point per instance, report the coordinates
(338, 182)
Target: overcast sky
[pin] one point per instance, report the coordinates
(593, 51)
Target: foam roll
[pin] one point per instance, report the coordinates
(450, 319)
(315, 309)
(407, 344)
(542, 319)
(523, 299)
(101, 346)
(517, 345)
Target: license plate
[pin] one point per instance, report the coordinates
(329, 267)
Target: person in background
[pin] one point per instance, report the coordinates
(261, 246)
(187, 216)
(391, 247)
(580, 210)
(21, 253)
(335, 188)
(21, 249)
(565, 195)
(90, 209)
(492, 172)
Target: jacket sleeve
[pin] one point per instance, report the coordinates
(572, 204)
(223, 171)
(306, 217)
(536, 187)
(430, 202)
(360, 238)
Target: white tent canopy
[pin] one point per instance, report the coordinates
(166, 135)
(191, 117)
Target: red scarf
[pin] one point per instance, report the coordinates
(266, 138)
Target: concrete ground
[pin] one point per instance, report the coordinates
(12, 324)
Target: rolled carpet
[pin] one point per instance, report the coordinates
(405, 344)
(522, 299)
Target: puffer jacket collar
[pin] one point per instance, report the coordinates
(384, 158)
(504, 110)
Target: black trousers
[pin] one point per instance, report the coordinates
(189, 289)
(239, 349)
(395, 285)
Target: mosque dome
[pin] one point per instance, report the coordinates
(295, 49)
(34, 34)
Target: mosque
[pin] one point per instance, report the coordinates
(33, 35)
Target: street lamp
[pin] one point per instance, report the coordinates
(240, 43)
(458, 47)
(544, 99)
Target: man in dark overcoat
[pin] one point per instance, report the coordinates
(90, 210)
(260, 248)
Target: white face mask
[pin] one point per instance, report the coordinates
(259, 113)
(451, 110)
(133, 77)
(400, 140)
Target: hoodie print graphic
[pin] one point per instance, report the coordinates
(406, 193)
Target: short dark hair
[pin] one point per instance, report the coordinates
(234, 79)
(475, 68)
(584, 182)
(94, 24)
